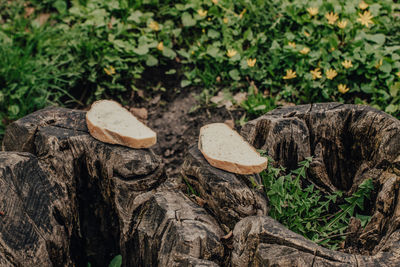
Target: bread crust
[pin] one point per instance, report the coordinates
(231, 166)
(112, 137)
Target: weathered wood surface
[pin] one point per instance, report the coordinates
(99, 194)
(170, 230)
(230, 197)
(29, 232)
(349, 143)
(262, 241)
(81, 200)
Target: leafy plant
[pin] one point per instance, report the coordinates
(305, 210)
(116, 262)
(63, 52)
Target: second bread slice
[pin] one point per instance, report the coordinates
(225, 149)
(109, 122)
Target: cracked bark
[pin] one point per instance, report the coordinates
(86, 198)
(68, 199)
(349, 144)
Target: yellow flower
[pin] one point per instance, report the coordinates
(305, 50)
(154, 26)
(363, 5)
(160, 46)
(251, 62)
(316, 73)
(398, 74)
(347, 64)
(215, 1)
(226, 20)
(289, 75)
(365, 19)
(231, 52)
(342, 24)
(330, 74)
(242, 13)
(312, 11)
(331, 17)
(110, 70)
(203, 30)
(379, 64)
(343, 88)
(292, 44)
(332, 49)
(202, 12)
(306, 34)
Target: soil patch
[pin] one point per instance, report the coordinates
(178, 128)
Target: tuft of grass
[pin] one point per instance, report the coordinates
(305, 210)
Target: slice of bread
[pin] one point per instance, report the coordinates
(225, 149)
(109, 122)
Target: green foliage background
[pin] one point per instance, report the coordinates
(89, 49)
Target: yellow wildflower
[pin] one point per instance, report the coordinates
(154, 26)
(110, 70)
(289, 75)
(342, 24)
(316, 73)
(330, 74)
(332, 49)
(363, 5)
(365, 19)
(306, 34)
(226, 20)
(312, 11)
(331, 17)
(160, 46)
(242, 13)
(251, 62)
(203, 30)
(347, 64)
(202, 12)
(379, 64)
(305, 50)
(292, 44)
(209, 19)
(398, 74)
(343, 88)
(215, 1)
(231, 52)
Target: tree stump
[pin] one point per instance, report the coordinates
(349, 143)
(81, 200)
(68, 199)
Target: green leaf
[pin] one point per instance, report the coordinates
(378, 38)
(168, 52)
(235, 75)
(185, 83)
(116, 262)
(213, 34)
(170, 72)
(141, 50)
(394, 89)
(151, 61)
(213, 51)
(135, 16)
(13, 110)
(187, 20)
(366, 88)
(60, 5)
(386, 67)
